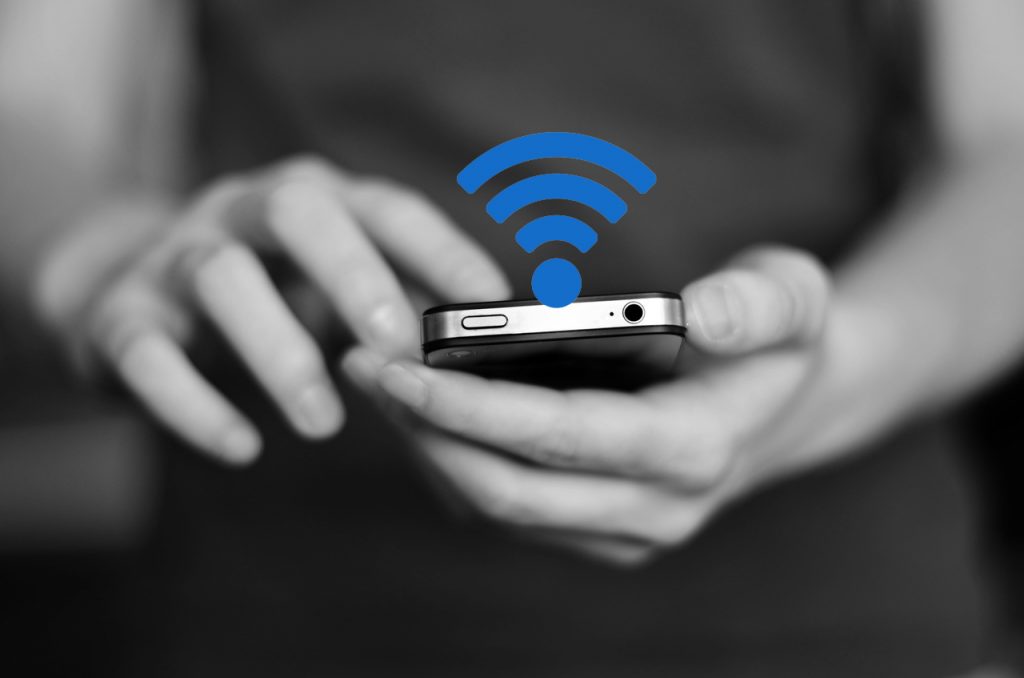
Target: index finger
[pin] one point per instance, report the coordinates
(424, 241)
(593, 430)
(321, 236)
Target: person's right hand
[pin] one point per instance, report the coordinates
(342, 232)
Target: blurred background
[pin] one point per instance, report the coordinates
(123, 553)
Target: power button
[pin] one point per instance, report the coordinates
(484, 322)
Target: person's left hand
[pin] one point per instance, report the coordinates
(618, 475)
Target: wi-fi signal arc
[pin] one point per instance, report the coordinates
(556, 187)
(556, 282)
(556, 227)
(563, 145)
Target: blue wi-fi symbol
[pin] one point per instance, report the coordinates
(556, 282)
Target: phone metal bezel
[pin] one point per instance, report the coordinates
(529, 320)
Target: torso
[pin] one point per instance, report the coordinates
(763, 123)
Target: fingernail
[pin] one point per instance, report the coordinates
(240, 444)
(319, 411)
(715, 311)
(403, 385)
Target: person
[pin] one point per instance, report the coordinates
(328, 137)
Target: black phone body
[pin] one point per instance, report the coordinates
(619, 341)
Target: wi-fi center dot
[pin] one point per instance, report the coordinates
(556, 283)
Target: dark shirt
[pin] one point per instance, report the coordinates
(764, 122)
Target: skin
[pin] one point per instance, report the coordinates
(802, 366)
(621, 475)
(204, 263)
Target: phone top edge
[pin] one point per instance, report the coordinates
(510, 318)
(533, 302)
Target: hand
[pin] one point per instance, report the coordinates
(138, 305)
(615, 475)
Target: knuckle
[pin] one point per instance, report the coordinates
(388, 202)
(803, 281)
(207, 264)
(122, 343)
(635, 458)
(558, 444)
(502, 501)
(309, 167)
(711, 465)
(402, 207)
(346, 276)
(460, 266)
(452, 257)
(701, 465)
(223, 191)
(359, 275)
(215, 206)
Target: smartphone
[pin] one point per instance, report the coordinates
(622, 341)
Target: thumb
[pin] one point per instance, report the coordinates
(764, 297)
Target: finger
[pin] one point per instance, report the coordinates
(424, 242)
(316, 230)
(158, 373)
(529, 497)
(765, 297)
(238, 296)
(361, 366)
(618, 552)
(718, 412)
(597, 431)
